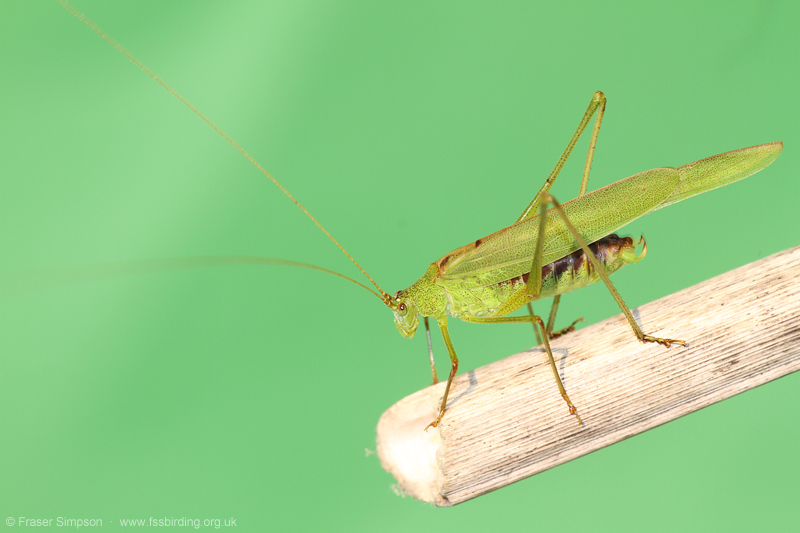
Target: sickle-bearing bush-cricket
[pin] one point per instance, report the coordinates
(550, 250)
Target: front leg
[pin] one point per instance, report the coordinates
(453, 369)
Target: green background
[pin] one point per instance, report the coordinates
(408, 129)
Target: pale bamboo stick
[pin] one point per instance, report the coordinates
(506, 421)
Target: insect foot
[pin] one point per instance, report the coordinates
(572, 409)
(664, 342)
(562, 332)
(435, 423)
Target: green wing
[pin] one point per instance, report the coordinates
(722, 169)
(508, 253)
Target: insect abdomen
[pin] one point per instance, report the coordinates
(575, 270)
(559, 277)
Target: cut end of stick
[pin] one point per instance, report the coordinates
(506, 421)
(407, 450)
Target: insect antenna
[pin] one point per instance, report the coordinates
(383, 295)
(64, 276)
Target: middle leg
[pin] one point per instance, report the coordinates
(537, 322)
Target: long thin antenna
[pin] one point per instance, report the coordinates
(27, 281)
(385, 297)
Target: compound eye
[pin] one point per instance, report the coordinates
(402, 308)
